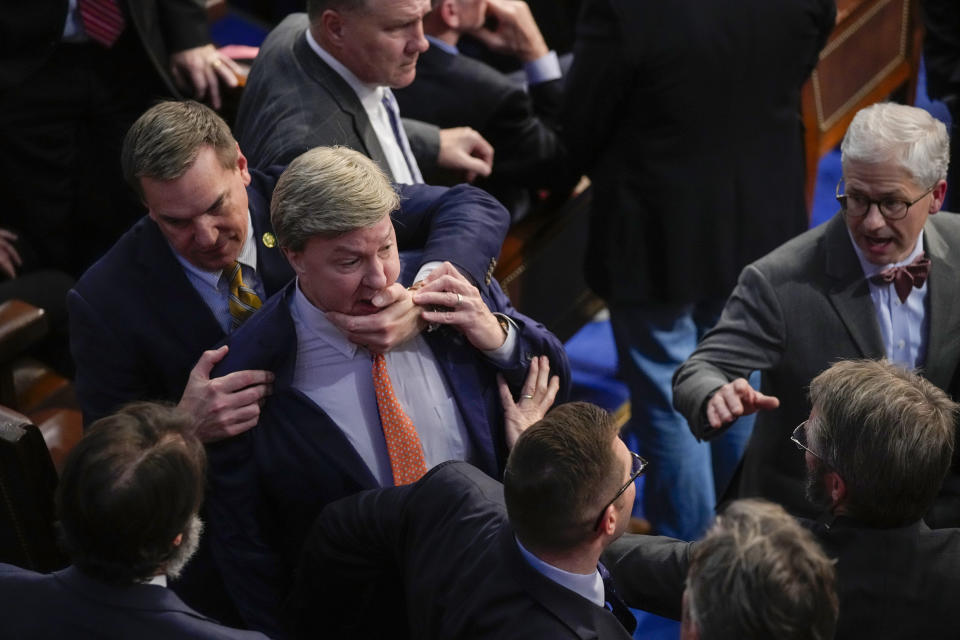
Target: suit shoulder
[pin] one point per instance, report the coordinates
(796, 257)
(117, 267)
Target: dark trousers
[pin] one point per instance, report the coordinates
(61, 132)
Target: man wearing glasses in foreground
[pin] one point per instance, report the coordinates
(875, 448)
(878, 280)
(461, 556)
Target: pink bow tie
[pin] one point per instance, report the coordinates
(906, 277)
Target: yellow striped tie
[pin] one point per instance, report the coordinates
(243, 300)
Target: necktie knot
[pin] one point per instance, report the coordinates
(243, 299)
(905, 277)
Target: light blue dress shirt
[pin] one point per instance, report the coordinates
(590, 586)
(903, 326)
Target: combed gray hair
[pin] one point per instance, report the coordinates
(315, 8)
(871, 415)
(758, 574)
(164, 142)
(329, 191)
(907, 136)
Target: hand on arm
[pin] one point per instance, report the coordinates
(463, 149)
(736, 399)
(9, 256)
(226, 406)
(536, 397)
(397, 321)
(200, 69)
(463, 307)
(516, 32)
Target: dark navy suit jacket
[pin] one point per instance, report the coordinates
(68, 604)
(268, 484)
(444, 551)
(137, 325)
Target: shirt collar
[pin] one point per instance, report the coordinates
(589, 586)
(314, 320)
(247, 257)
(160, 580)
(370, 95)
(870, 269)
(443, 46)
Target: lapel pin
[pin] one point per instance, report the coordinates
(269, 240)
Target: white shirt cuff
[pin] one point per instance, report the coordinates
(543, 69)
(504, 355)
(426, 269)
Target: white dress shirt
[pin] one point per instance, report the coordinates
(215, 291)
(337, 375)
(903, 326)
(371, 97)
(590, 586)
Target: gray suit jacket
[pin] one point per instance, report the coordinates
(793, 313)
(294, 101)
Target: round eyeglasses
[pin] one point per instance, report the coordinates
(855, 205)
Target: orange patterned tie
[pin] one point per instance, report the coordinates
(403, 443)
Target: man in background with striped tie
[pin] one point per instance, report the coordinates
(343, 416)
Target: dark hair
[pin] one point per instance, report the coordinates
(163, 143)
(888, 433)
(128, 488)
(758, 574)
(560, 473)
(315, 8)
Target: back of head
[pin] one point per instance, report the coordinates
(757, 575)
(907, 137)
(315, 8)
(888, 433)
(163, 143)
(560, 473)
(329, 191)
(128, 488)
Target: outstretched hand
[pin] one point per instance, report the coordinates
(536, 397)
(736, 399)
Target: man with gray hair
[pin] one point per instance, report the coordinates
(342, 417)
(877, 280)
(876, 446)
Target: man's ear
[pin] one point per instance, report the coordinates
(330, 27)
(939, 193)
(836, 488)
(688, 629)
(449, 12)
(295, 258)
(178, 540)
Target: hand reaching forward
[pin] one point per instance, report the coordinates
(736, 399)
(463, 149)
(536, 397)
(226, 406)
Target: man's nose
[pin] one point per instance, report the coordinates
(873, 219)
(376, 276)
(205, 233)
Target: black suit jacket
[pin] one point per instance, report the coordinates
(456, 90)
(686, 117)
(447, 543)
(68, 604)
(31, 31)
(892, 583)
(294, 101)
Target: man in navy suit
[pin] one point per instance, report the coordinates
(146, 312)
(467, 557)
(127, 506)
(343, 416)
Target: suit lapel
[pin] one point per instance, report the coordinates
(173, 300)
(582, 617)
(272, 266)
(849, 292)
(943, 343)
(345, 97)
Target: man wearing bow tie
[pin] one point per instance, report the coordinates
(878, 280)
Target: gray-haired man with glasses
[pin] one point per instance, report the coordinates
(876, 281)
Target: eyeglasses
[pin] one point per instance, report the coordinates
(639, 464)
(799, 438)
(857, 206)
